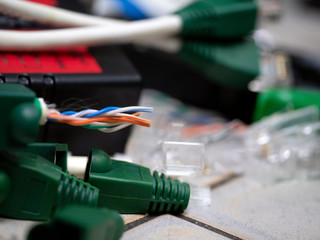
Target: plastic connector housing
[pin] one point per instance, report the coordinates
(38, 187)
(34, 177)
(279, 99)
(183, 158)
(4, 186)
(218, 18)
(232, 64)
(130, 188)
(19, 116)
(53, 152)
(262, 136)
(80, 223)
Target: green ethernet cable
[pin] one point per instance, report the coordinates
(35, 182)
(20, 116)
(203, 19)
(33, 177)
(279, 99)
(33, 188)
(232, 64)
(218, 18)
(80, 223)
(130, 188)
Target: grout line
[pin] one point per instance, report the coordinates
(139, 221)
(210, 227)
(215, 183)
(221, 180)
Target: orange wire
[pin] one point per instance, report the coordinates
(108, 119)
(133, 116)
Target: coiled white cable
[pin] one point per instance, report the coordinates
(90, 30)
(51, 15)
(89, 36)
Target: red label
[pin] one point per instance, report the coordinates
(46, 2)
(77, 61)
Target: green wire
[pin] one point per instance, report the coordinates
(95, 127)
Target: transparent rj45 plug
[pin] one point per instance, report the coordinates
(261, 135)
(289, 141)
(183, 158)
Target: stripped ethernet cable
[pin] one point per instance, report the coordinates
(109, 119)
(203, 19)
(35, 181)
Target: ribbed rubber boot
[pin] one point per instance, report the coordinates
(169, 196)
(75, 191)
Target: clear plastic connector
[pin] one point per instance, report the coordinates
(259, 135)
(183, 158)
(200, 196)
(289, 140)
(275, 70)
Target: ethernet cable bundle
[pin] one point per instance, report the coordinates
(204, 19)
(109, 119)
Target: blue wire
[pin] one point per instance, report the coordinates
(104, 110)
(133, 10)
(107, 109)
(68, 113)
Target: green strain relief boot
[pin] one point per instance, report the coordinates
(20, 115)
(208, 19)
(80, 223)
(231, 64)
(33, 188)
(279, 99)
(34, 181)
(130, 188)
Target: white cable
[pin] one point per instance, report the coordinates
(76, 165)
(108, 8)
(89, 36)
(51, 15)
(168, 45)
(113, 112)
(125, 109)
(11, 40)
(44, 111)
(82, 113)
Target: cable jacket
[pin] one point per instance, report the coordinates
(51, 15)
(89, 36)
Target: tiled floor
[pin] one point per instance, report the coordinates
(241, 208)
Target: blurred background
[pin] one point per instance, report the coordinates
(243, 111)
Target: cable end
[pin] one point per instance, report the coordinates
(169, 195)
(218, 19)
